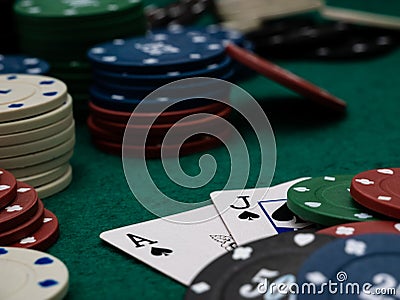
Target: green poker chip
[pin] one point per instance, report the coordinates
(326, 201)
(73, 8)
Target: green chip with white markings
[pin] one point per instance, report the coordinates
(326, 201)
(73, 8)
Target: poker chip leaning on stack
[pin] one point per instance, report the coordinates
(127, 70)
(24, 222)
(37, 131)
(62, 31)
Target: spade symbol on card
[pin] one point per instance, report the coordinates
(160, 251)
(284, 214)
(247, 215)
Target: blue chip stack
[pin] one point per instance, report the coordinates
(125, 71)
(22, 64)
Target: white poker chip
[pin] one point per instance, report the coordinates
(30, 274)
(23, 96)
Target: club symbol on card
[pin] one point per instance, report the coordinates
(160, 251)
(249, 216)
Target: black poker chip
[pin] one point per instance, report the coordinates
(247, 271)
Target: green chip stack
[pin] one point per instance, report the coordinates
(61, 31)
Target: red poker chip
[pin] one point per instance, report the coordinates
(21, 209)
(44, 237)
(378, 190)
(285, 78)
(8, 188)
(357, 228)
(101, 133)
(19, 232)
(145, 118)
(196, 124)
(195, 144)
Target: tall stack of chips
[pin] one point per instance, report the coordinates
(62, 31)
(24, 221)
(37, 131)
(127, 70)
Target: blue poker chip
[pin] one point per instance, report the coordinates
(226, 34)
(366, 261)
(22, 64)
(216, 70)
(136, 91)
(160, 52)
(194, 95)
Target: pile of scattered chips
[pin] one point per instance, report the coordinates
(37, 131)
(321, 40)
(22, 64)
(126, 71)
(62, 31)
(245, 15)
(31, 274)
(24, 221)
(183, 12)
(8, 33)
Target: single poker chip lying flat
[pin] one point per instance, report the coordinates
(273, 259)
(39, 145)
(56, 186)
(378, 190)
(369, 258)
(286, 78)
(38, 157)
(23, 96)
(357, 228)
(8, 187)
(36, 134)
(46, 177)
(164, 51)
(21, 209)
(43, 167)
(44, 237)
(30, 274)
(38, 121)
(326, 201)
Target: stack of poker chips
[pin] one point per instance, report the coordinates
(182, 12)
(247, 15)
(9, 43)
(37, 131)
(24, 221)
(22, 64)
(127, 70)
(62, 31)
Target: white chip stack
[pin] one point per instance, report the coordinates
(37, 131)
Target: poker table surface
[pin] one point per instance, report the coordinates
(309, 142)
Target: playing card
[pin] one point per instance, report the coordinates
(253, 214)
(180, 250)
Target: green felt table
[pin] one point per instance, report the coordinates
(309, 142)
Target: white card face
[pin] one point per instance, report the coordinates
(253, 214)
(178, 250)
